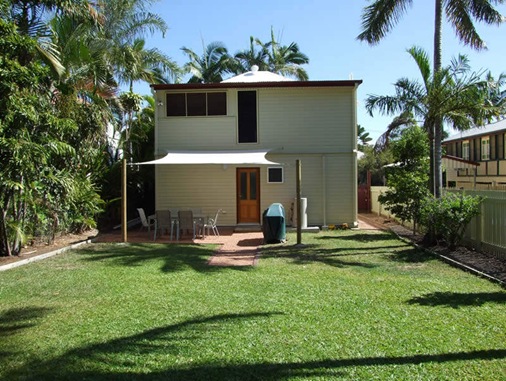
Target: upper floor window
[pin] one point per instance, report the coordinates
(465, 150)
(247, 116)
(196, 104)
(485, 148)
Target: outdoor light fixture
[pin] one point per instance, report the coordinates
(160, 103)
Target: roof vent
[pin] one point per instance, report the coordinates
(254, 68)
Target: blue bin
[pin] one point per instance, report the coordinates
(273, 224)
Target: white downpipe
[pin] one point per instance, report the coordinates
(324, 189)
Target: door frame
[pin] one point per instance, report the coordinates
(237, 187)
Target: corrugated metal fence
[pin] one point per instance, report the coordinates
(486, 232)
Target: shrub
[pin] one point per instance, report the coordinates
(449, 216)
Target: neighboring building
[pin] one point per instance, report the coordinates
(233, 146)
(476, 158)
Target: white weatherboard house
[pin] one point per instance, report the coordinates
(233, 146)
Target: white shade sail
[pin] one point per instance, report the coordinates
(213, 157)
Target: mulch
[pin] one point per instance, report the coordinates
(484, 264)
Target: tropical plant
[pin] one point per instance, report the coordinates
(255, 55)
(209, 67)
(407, 178)
(36, 180)
(363, 137)
(449, 216)
(453, 94)
(381, 16)
(285, 59)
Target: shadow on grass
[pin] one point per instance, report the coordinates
(173, 257)
(372, 236)
(337, 257)
(16, 319)
(457, 300)
(158, 354)
(411, 255)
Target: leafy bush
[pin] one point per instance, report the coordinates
(449, 216)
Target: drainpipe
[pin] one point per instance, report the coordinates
(324, 190)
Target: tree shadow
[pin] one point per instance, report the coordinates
(361, 237)
(16, 319)
(175, 257)
(314, 254)
(457, 300)
(411, 255)
(131, 357)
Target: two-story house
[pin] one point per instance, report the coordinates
(233, 146)
(476, 158)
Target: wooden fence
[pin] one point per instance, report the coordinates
(486, 232)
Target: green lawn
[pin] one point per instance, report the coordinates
(351, 305)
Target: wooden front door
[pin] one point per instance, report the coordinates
(248, 195)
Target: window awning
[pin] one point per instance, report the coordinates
(213, 157)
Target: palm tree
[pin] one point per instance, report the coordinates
(135, 63)
(253, 56)
(285, 60)
(362, 136)
(211, 66)
(452, 94)
(381, 16)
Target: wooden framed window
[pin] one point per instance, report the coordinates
(465, 150)
(485, 148)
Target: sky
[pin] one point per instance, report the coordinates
(326, 32)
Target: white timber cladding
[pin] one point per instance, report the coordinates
(316, 125)
(212, 187)
(304, 120)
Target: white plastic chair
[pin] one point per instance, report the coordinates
(211, 224)
(146, 223)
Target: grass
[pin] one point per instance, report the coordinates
(350, 305)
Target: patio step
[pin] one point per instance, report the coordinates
(246, 228)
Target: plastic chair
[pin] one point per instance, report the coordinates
(185, 222)
(211, 224)
(163, 222)
(146, 223)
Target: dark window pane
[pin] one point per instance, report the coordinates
(253, 186)
(176, 105)
(216, 103)
(247, 119)
(244, 186)
(275, 175)
(196, 103)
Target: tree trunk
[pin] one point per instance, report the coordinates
(438, 123)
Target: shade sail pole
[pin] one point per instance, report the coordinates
(299, 219)
(124, 221)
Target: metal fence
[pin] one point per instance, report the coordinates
(486, 232)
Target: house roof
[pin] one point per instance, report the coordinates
(257, 79)
(256, 75)
(253, 85)
(479, 131)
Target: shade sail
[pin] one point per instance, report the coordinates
(213, 157)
